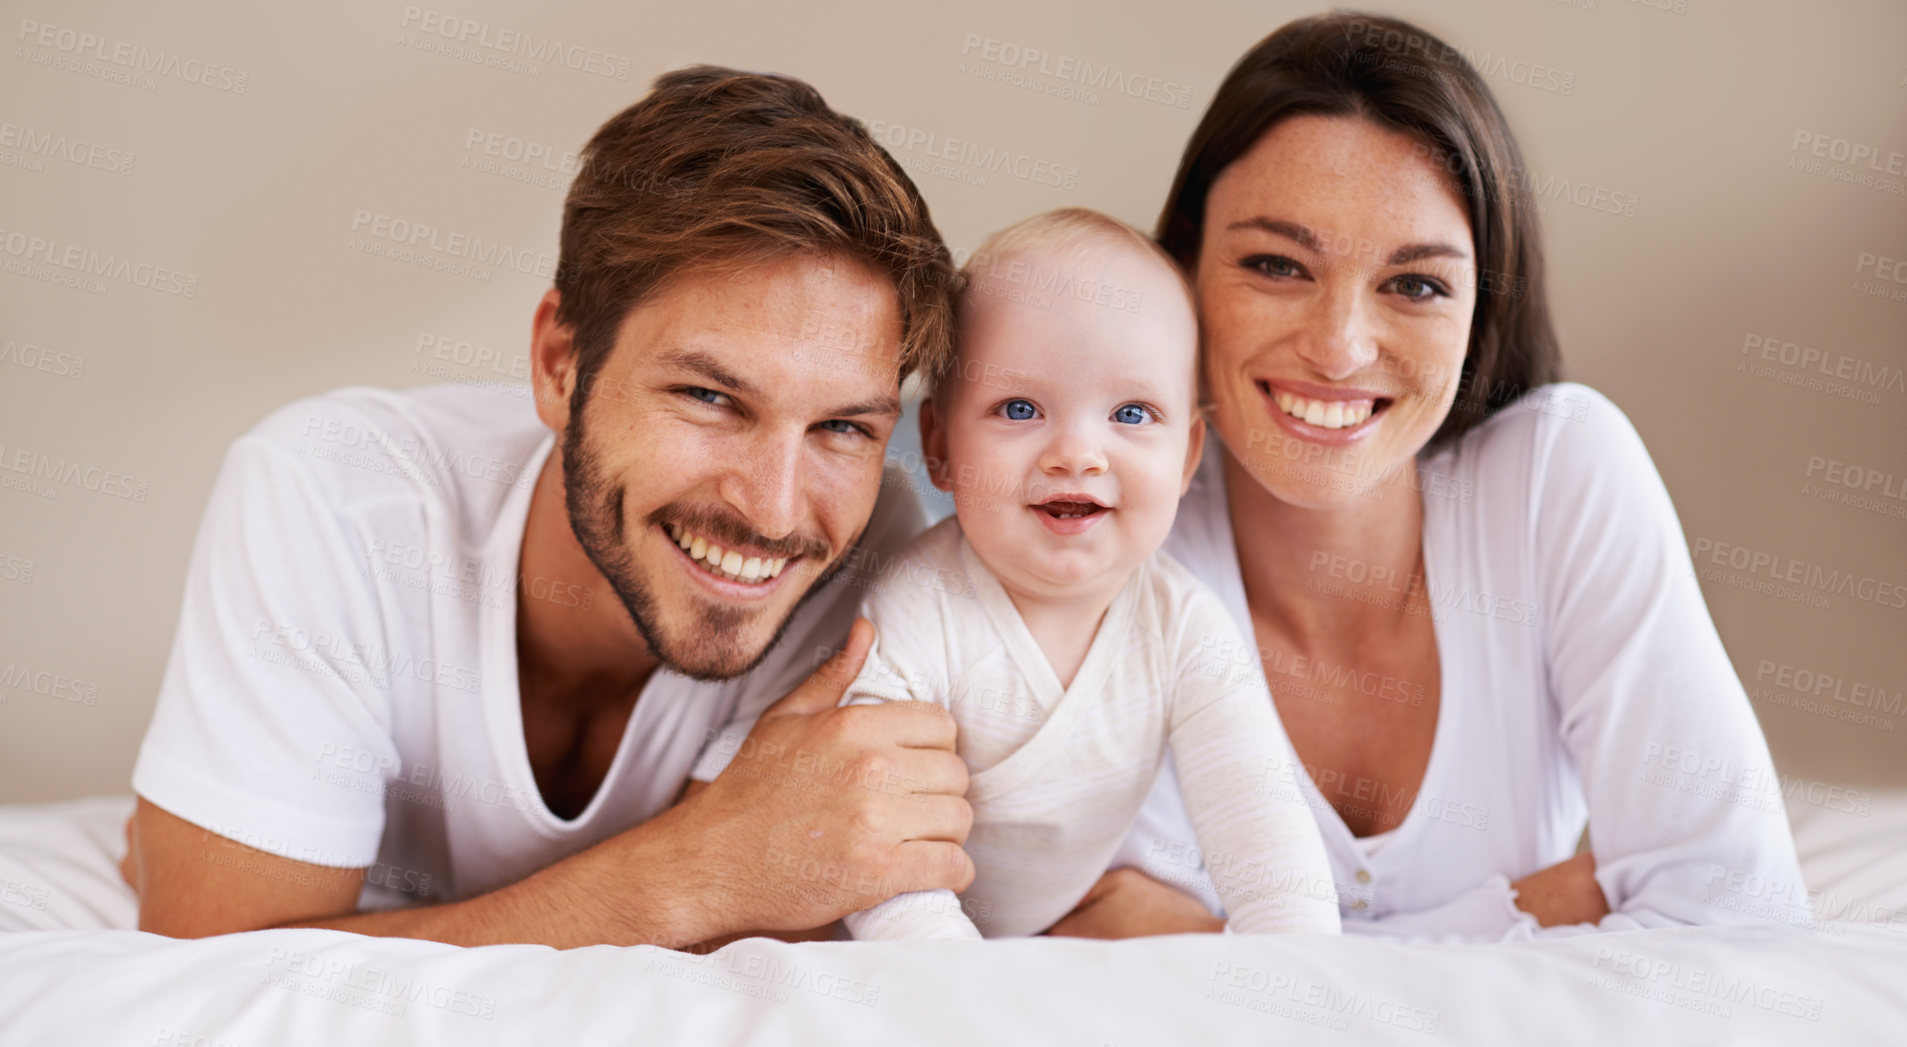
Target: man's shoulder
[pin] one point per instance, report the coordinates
(435, 443)
(897, 519)
(904, 536)
(894, 532)
(923, 582)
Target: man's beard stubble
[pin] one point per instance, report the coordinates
(709, 647)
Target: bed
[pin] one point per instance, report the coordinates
(72, 971)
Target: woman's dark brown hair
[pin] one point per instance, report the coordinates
(1405, 79)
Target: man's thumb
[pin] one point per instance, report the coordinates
(824, 688)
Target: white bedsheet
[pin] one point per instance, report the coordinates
(1845, 982)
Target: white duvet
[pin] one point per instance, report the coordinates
(1842, 982)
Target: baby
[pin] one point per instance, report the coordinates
(1069, 648)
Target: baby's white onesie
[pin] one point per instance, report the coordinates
(1058, 774)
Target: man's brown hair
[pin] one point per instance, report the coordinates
(717, 169)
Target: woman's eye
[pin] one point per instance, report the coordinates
(1019, 410)
(1417, 288)
(1274, 265)
(1132, 414)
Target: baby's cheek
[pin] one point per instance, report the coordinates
(985, 522)
(1152, 501)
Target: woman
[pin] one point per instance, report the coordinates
(1468, 587)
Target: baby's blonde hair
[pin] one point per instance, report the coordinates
(1070, 229)
(1070, 234)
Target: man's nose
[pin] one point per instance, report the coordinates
(1341, 337)
(766, 484)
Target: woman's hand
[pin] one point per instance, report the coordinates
(1127, 903)
(129, 865)
(1564, 893)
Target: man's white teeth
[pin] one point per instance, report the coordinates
(1326, 414)
(726, 563)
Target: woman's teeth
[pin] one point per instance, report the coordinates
(1326, 414)
(726, 563)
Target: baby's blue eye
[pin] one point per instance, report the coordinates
(1020, 410)
(1131, 414)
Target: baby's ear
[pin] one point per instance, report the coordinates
(1194, 449)
(933, 445)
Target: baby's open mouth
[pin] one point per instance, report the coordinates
(1070, 507)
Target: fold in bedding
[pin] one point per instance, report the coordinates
(1779, 983)
(1735, 985)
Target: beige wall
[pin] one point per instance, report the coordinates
(249, 196)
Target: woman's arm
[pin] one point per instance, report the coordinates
(1682, 794)
(1565, 893)
(1126, 903)
(1673, 767)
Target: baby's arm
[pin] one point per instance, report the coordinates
(894, 672)
(1259, 837)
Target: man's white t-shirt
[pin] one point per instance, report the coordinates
(342, 689)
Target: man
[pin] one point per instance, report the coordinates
(440, 675)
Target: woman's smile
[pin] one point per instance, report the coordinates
(1320, 414)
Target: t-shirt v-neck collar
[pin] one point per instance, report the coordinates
(502, 695)
(1064, 705)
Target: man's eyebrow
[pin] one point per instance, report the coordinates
(708, 367)
(1305, 238)
(886, 405)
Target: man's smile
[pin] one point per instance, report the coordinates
(741, 570)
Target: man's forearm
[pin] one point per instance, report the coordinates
(627, 890)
